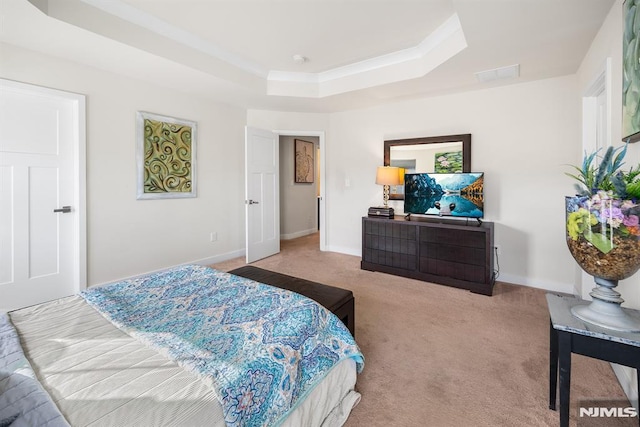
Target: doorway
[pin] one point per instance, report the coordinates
(302, 204)
(299, 211)
(596, 135)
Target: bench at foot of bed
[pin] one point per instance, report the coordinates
(339, 301)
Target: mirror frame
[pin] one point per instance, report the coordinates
(466, 150)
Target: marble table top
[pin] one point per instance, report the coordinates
(563, 320)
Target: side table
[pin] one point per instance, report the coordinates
(568, 334)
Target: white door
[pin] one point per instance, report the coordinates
(42, 245)
(262, 194)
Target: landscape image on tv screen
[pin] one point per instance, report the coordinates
(444, 194)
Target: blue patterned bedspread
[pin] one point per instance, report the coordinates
(261, 348)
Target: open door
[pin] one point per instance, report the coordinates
(42, 204)
(262, 194)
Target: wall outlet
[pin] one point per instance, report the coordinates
(213, 236)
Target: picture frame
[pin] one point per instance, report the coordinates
(448, 162)
(304, 161)
(166, 157)
(631, 72)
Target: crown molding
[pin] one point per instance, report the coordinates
(136, 26)
(441, 45)
(156, 25)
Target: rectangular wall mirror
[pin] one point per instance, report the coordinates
(438, 154)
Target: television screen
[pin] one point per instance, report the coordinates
(444, 194)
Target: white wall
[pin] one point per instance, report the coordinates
(608, 44)
(298, 201)
(288, 121)
(127, 236)
(522, 136)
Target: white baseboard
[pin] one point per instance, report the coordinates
(519, 280)
(342, 250)
(219, 258)
(298, 234)
(627, 379)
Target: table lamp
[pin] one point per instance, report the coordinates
(386, 176)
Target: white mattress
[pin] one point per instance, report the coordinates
(100, 376)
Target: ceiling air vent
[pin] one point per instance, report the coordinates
(510, 72)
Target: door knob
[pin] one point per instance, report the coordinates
(64, 209)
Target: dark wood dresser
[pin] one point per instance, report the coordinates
(449, 252)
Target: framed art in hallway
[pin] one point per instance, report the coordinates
(304, 161)
(631, 72)
(166, 157)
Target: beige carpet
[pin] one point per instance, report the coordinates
(440, 356)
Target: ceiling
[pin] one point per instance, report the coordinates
(358, 53)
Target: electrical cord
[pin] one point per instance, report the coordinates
(496, 272)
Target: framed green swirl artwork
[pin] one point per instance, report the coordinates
(631, 72)
(166, 156)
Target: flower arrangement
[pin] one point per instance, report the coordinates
(604, 217)
(608, 176)
(600, 215)
(603, 234)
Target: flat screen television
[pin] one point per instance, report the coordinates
(444, 194)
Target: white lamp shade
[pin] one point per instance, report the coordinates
(388, 175)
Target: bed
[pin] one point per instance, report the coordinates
(189, 346)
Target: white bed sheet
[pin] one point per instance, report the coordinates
(100, 376)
